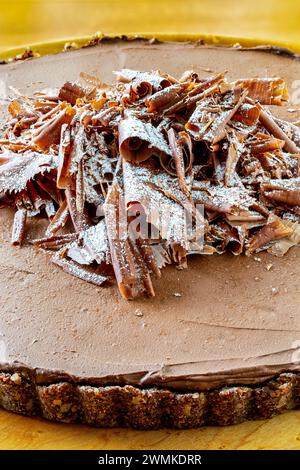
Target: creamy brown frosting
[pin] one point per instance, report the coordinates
(226, 320)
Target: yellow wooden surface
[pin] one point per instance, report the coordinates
(30, 21)
(17, 432)
(25, 22)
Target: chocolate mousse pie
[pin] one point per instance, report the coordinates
(150, 230)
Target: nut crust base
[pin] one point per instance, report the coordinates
(127, 406)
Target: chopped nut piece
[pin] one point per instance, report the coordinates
(177, 294)
(138, 312)
(57, 402)
(16, 378)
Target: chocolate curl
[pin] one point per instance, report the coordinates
(178, 255)
(44, 106)
(268, 122)
(54, 242)
(51, 113)
(37, 201)
(50, 132)
(19, 226)
(211, 125)
(247, 114)
(141, 88)
(59, 220)
(91, 246)
(121, 255)
(268, 91)
(194, 99)
(259, 207)
(127, 253)
(142, 83)
(82, 272)
(139, 140)
(185, 141)
(244, 215)
(186, 146)
(142, 248)
(23, 200)
(163, 202)
(163, 97)
(168, 164)
(189, 76)
(149, 257)
(16, 146)
(200, 91)
(107, 115)
(265, 143)
(17, 169)
(92, 80)
(282, 246)
(221, 199)
(63, 180)
(79, 219)
(77, 152)
(179, 162)
(145, 87)
(284, 196)
(234, 153)
(18, 107)
(80, 188)
(290, 129)
(275, 229)
(143, 278)
(228, 238)
(70, 92)
(48, 185)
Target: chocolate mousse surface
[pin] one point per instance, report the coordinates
(225, 321)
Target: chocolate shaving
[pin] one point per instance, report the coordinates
(77, 270)
(17, 169)
(59, 220)
(275, 229)
(198, 92)
(91, 246)
(139, 140)
(177, 154)
(290, 129)
(161, 198)
(235, 150)
(49, 133)
(163, 97)
(130, 268)
(54, 242)
(19, 225)
(71, 92)
(209, 120)
(269, 123)
(151, 170)
(80, 219)
(64, 158)
(142, 83)
(265, 90)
